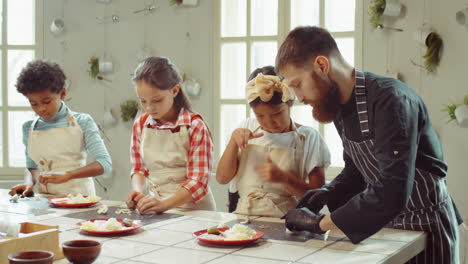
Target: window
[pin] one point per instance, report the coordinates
(19, 40)
(248, 34)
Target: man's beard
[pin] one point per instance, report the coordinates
(327, 108)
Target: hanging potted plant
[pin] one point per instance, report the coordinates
(96, 68)
(461, 113)
(379, 8)
(183, 2)
(458, 112)
(392, 8)
(128, 110)
(190, 85)
(376, 10)
(434, 45)
(427, 37)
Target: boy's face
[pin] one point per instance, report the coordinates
(46, 103)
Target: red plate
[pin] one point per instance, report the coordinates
(197, 234)
(61, 201)
(136, 224)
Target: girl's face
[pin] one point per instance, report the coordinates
(273, 118)
(46, 103)
(156, 102)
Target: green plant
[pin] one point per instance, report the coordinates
(94, 67)
(128, 110)
(376, 10)
(175, 2)
(432, 56)
(450, 109)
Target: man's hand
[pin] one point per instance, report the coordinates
(315, 199)
(304, 220)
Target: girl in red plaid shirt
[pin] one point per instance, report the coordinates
(171, 148)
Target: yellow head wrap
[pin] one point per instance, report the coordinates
(264, 86)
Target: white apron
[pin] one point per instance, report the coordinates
(257, 197)
(165, 155)
(58, 150)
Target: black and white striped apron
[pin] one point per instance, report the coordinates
(429, 208)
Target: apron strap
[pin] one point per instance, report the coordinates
(72, 120)
(145, 122)
(361, 102)
(33, 124)
(299, 140)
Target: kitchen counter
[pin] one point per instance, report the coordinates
(171, 240)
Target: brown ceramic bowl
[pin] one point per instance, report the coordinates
(81, 251)
(31, 257)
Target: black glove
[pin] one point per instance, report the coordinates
(303, 220)
(315, 199)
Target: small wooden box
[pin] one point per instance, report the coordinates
(33, 236)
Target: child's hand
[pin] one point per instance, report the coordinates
(133, 199)
(151, 204)
(22, 189)
(55, 178)
(241, 137)
(269, 172)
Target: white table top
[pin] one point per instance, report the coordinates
(171, 241)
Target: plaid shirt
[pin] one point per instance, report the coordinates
(200, 156)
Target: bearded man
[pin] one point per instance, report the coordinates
(394, 174)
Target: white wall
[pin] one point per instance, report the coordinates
(448, 85)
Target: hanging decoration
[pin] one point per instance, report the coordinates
(128, 110)
(191, 86)
(380, 26)
(380, 8)
(427, 37)
(458, 112)
(95, 68)
(108, 119)
(434, 45)
(57, 27)
(462, 17)
(183, 2)
(108, 19)
(148, 9)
